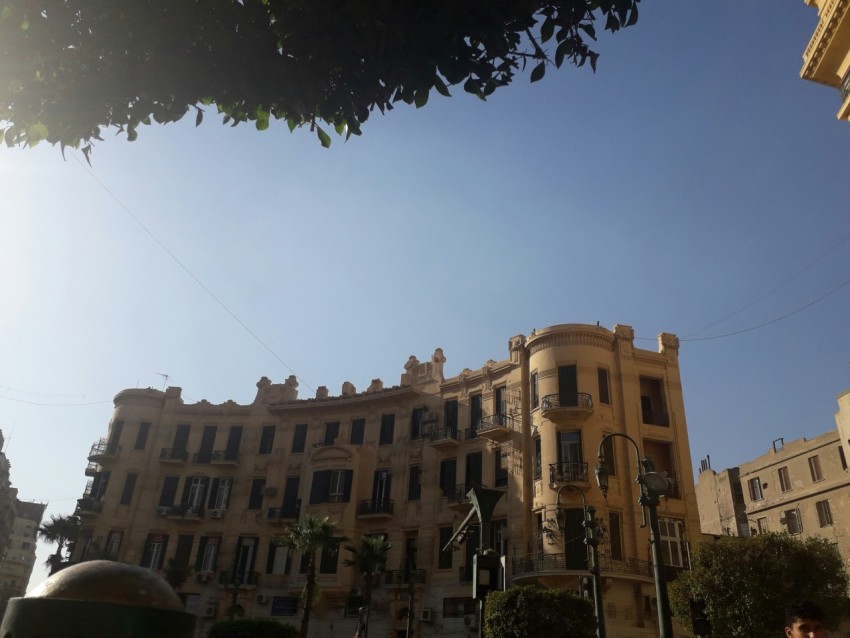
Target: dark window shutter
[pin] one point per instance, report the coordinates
(321, 485)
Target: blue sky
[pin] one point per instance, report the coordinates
(694, 173)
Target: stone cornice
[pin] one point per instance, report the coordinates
(571, 335)
(334, 403)
(832, 14)
(475, 378)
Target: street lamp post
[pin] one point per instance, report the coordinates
(653, 485)
(591, 539)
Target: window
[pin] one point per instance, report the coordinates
(246, 554)
(535, 391)
(234, 440)
(113, 543)
(445, 557)
(331, 432)
(142, 436)
(814, 468)
(25, 545)
(358, 429)
(195, 492)
(615, 538)
(155, 545)
(662, 457)
(785, 479)
(754, 485)
(474, 463)
(299, 438)
(255, 500)
(266, 439)
(387, 429)
(737, 493)
(169, 491)
(501, 475)
(448, 476)
(824, 513)
(604, 393)
(671, 542)
(575, 535)
(761, 522)
(129, 486)
(207, 553)
(331, 486)
(459, 607)
(450, 415)
(284, 606)
(792, 521)
(181, 439)
(220, 493)
(416, 419)
(608, 453)
(476, 411)
(205, 452)
(291, 506)
(653, 406)
(278, 559)
(330, 558)
(500, 400)
(538, 459)
(414, 483)
(842, 458)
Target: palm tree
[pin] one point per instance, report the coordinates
(369, 558)
(309, 537)
(61, 530)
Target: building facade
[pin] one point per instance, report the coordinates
(826, 59)
(18, 560)
(801, 487)
(212, 486)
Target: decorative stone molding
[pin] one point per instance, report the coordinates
(625, 340)
(574, 337)
(348, 389)
(831, 16)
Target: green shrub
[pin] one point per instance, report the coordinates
(252, 628)
(521, 612)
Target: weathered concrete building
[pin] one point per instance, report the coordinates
(18, 560)
(213, 485)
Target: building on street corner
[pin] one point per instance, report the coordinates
(826, 59)
(212, 485)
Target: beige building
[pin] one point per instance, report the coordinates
(213, 485)
(18, 560)
(826, 59)
(801, 487)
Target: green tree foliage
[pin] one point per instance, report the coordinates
(309, 537)
(63, 531)
(70, 68)
(252, 628)
(368, 559)
(746, 583)
(531, 611)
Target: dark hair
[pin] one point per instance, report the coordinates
(802, 609)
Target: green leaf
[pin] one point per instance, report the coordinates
(421, 98)
(9, 136)
(291, 123)
(35, 133)
(131, 134)
(589, 29)
(324, 138)
(538, 72)
(564, 49)
(547, 29)
(262, 123)
(340, 127)
(441, 87)
(199, 116)
(633, 17)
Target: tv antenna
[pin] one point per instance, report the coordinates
(164, 379)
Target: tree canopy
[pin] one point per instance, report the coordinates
(746, 583)
(63, 531)
(71, 68)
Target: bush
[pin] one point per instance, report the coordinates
(531, 611)
(252, 628)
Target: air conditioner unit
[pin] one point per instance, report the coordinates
(263, 599)
(162, 511)
(471, 621)
(426, 615)
(217, 513)
(203, 577)
(210, 610)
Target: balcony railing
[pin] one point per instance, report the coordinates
(397, 577)
(288, 513)
(844, 87)
(102, 448)
(374, 507)
(186, 511)
(470, 434)
(651, 417)
(554, 401)
(440, 435)
(568, 472)
(535, 563)
(89, 505)
(458, 492)
(495, 422)
(243, 579)
(175, 454)
(225, 456)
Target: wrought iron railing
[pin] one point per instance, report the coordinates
(458, 492)
(290, 512)
(568, 472)
(173, 454)
(225, 456)
(495, 422)
(443, 434)
(397, 577)
(102, 447)
(844, 87)
(375, 506)
(579, 400)
(226, 578)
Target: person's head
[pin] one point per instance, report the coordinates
(804, 619)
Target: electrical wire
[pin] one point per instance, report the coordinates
(190, 273)
(55, 405)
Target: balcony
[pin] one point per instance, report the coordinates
(102, 450)
(470, 434)
(224, 457)
(247, 580)
(495, 427)
(567, 472)
(558, 408)
(444, 438)
(186, 513)
(530, 567)
(651, 417)
(92, 468)
(282, 514)
(402, 577)
(378, 508)
(88, 505)
(456, 496)
(173, 455)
